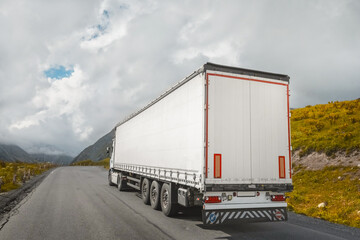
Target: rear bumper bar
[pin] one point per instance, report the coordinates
(277, 214)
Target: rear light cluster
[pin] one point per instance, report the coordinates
(212, 199)
(278, 198)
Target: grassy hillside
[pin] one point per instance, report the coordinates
(326, 128)
(13, 175)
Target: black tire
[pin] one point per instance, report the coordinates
(155, 190)
(145, 191)
(168, 206)
(121, 184)
(109, 179)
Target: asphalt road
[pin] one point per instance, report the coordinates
(77, 203)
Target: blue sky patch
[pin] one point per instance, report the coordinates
(100, 28)
(106, 13)
(58, 72)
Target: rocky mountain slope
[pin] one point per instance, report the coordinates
(13, 153)
(97, 151)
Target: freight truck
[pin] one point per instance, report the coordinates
(219, 139)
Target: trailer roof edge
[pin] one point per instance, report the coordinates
(202, 69)
(245, 71)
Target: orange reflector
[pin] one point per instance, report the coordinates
(282, 167)
(217, 165)
(212, 199)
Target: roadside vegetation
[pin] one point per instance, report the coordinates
(105, 163)
(13, 175)
(332, 194)
(328, 128)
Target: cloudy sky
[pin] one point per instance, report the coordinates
(70, 70)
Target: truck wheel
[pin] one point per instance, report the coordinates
(121, 184)
(168, 206)
(109, 178)
(145, 191)
(155, 190)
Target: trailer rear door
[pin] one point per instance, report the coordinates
(247, 130)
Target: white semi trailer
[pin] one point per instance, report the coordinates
(219, 139)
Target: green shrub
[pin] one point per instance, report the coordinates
(21, 171)
(105, 163)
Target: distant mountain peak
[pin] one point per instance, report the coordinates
(13, 153)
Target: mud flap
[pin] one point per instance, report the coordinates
(244, 215)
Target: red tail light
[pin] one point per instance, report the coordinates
(212, 199)
(278, 198)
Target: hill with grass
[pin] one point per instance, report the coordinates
(332, 129)
(326, 162)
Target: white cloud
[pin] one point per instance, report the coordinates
(63, 97)
(113, 21)
(227, 52)
(28, 121)
(126, 53)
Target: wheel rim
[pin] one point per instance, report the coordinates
(144, 188)
(153, 194)
(165, 198)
